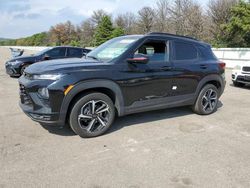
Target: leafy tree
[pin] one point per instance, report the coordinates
(63, 33)
(104, 31)
(237, 31)
(219, 13)
(97, 16)
(118, 31)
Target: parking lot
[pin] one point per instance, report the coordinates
(166, 148)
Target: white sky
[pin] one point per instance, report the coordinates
(20, 18)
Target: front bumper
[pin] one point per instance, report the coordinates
(34, 106)
(12, 71)
(40, 115)
(242, 77)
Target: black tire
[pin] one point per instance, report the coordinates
(200, 105)
(238, 84)
(22, 69)
(95, 121)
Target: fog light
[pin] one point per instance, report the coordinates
(43, 92)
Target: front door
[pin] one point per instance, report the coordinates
(151, 81)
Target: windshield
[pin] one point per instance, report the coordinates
(43, 51)
(112, 48)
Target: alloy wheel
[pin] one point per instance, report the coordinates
(94, 116)
(209, 100)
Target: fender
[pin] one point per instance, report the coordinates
(26, 63)
(209, 78)
(92, 84)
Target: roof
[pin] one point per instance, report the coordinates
(175, 36)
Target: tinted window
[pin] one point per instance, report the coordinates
(75, 52)
(185, 51)
(206, 53)
(57, 52)
(155, 50)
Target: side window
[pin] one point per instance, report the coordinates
(206, 53)
(75, 52)
(56, 53)
(185, 51)
(155, 50)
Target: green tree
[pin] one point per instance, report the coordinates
(118, 31)
(237, 31)
(103, 31)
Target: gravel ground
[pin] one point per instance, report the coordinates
(167, 148)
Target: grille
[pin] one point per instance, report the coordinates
(246, 69)
(25, 99)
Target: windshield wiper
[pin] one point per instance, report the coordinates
(93, 57)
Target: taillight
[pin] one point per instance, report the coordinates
(222, 65)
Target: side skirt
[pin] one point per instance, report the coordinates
(162, 103)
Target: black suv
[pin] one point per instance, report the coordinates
(16, 66)
(125, 75)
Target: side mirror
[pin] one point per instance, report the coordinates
(84, 55)
(139, 58)
(46, 57)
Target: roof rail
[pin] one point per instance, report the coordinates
(170, 34)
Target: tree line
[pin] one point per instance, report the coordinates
(223, 23)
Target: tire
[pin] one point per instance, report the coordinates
(238, 84)
(22, 69)
(88, 123)
(207, 102)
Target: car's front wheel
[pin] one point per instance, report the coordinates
(92, 115)
(207, 101)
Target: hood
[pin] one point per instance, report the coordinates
(24, 58)
(62, 65)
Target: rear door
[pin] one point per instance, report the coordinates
(74, 52)
(187, 67)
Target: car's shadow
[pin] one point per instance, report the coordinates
(62, 131)
(130, 120)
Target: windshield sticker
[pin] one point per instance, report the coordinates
(127, 41)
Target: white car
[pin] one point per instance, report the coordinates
(241, 74)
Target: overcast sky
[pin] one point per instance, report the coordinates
(20, 18)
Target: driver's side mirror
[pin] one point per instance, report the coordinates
(139, 58)
(46, 57)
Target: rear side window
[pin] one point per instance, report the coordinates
(75, 52)
(206, 53)
(185, 51)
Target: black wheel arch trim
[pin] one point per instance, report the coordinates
(92, 84)
(211, 78)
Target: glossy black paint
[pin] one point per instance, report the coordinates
(15, 69)
(134, 87)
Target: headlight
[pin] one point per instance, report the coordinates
(14, 62)
(43, 92)
(47, 77)
(237, 67)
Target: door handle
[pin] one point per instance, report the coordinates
(203, 66)
(165, 68)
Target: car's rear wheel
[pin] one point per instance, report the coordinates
(238, 84)
(92, 115)
(207, 100)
